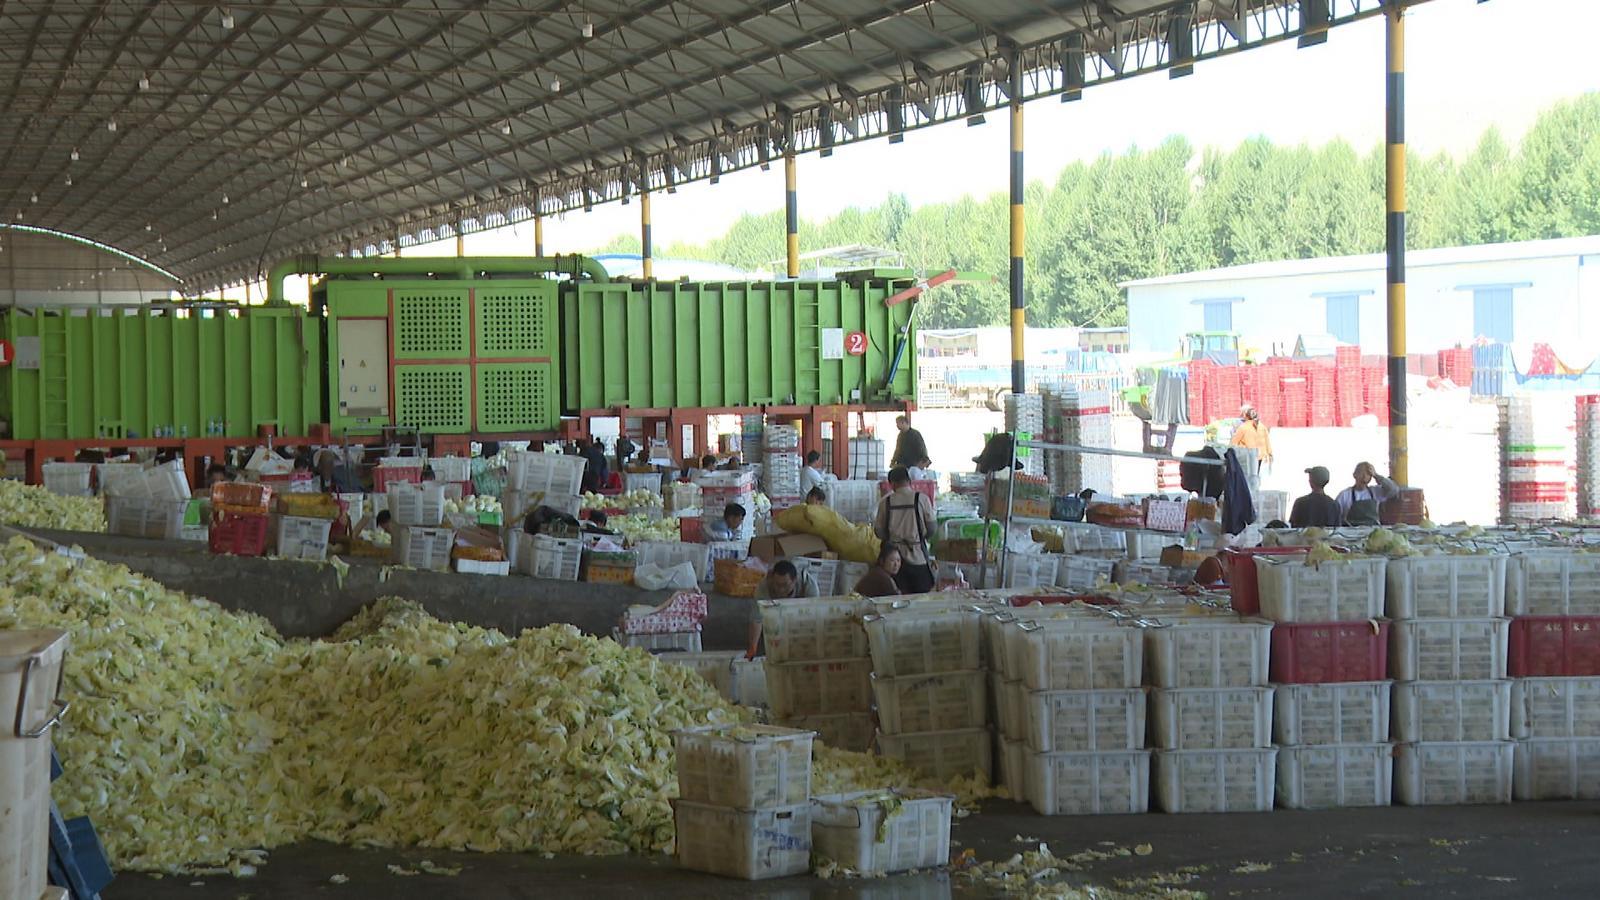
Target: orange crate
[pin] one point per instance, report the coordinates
(598, 572)
(241, 496)
(735, 579)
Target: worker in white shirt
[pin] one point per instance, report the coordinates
(811, 474)
(1360, 501)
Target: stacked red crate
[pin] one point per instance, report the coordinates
(1347, 357)
(1199, 374)
(1324, 409)
(1296, 402)
(1376, 387)
(1456, 365)
(1227, 395)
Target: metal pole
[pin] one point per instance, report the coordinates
(1019, 375)
(644, 235)
(538, 235)
(791, 216)
(461, 245)
(1395, 241)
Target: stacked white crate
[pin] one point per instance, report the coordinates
(1079, 419)
(854, 501)
(718, 489)
(931, 691)
(744, 804)
(1025, 415)
(818, 668)
(1211, 713)
(1555, 720)
(1587, 428)
(867, 459)
(751, 445)
(1537, 457)
(780, 472)
(1332, 736)
(1447, 653)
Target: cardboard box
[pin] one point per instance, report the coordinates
(773, 547)
(1178, 558)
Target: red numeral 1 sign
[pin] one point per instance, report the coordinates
(855, 343)
(7, 354)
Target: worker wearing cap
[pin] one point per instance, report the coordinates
(1360, 501)
(1252, 435)
(1316, 508)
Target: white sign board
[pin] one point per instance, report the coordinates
(833, 343)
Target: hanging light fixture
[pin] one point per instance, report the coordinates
(111, 125)
(74, 154)
(588, 29)
(227, 20)
(144, 82)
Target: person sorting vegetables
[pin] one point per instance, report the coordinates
(904, 519)
(1360, 501)
(1316, 508)
(730, 527)
(879, 580)
(783, 582)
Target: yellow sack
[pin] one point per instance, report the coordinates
(853, 542)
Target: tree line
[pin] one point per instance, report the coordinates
(1170, 209)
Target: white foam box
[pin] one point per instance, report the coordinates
(1448, 649)
(881, 832)
(1344, 590)
(1211, 718)
(1447, 587)
(942, 754)
(1553, 583)
(1208, 651)
(1443, 711)
(1082, 721)
(841, 731)
(1450, 774)
(743, 843)
(1095, 783)
(1556, 769)
(1354, 712)
(829, 628)
(1214, 780)
(1014, 769)
(944, 701)
(1067, 655)
(907, 642)
(1555, 708)
(1336, 775)
(744, 766)
(714, 666)
(818, 687)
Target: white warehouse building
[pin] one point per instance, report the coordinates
(1520, 293)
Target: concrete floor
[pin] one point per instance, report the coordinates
(1522, 850)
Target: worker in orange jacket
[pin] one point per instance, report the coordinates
(1252, 435)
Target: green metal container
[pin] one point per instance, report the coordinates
(674, 344)
(165, 371)
(444, 357)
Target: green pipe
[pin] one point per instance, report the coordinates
(459, 267)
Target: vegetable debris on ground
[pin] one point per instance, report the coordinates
(31, 506)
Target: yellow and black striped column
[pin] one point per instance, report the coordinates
(645, 256)
(1395, 241)
(538, 235)
(461, 245)
(1019, 375)
(791, 216)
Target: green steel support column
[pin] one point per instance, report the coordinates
(645, 256)
(791, 216)
(1019, 375)
(1395, 242)
(538, 235)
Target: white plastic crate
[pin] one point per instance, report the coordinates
(482, 567)
(976, 576)
(642, 481)
(829, 628)
(423, 548)
(905, 642)
(1448, 649)
(855, 501)
(715, 667)
(842, 731)
(942, 754)
(1553, 583)
(1208, 651)
(1080, 573)
(547, 473)
(167, 481)
(145, 517)
(1448, 774)
(825, 572)
(668, 554)
(1081, 721)
(1010, 708)
(743, 843)
(1345, 590)
(744, 766)
(1340, 775)
(1214, 780)
(738, 551)
(1211, 718)
(453, 469)
(1145, 572)
(68, 479)
(1082, 537)
(300, 537)
(1447, 587)
(748, 686)
(668, 643)
(1147, 545)
(1013, 764)
(121, 479)
(1098, 783)
(543, 556)
(1444, 711)
(1069, 655)
(880, 832)
(818, 687)
(1028, 570)
(411, 504)
(944, 701)
(1555, 708)
(1355, 712)
(1557, 769)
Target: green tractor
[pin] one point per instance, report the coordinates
(1221, 347)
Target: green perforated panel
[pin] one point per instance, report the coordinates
(516, 397)
(433, 399)
(516, 321)
(431, 324)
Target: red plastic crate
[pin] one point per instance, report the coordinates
(692, 529)
(1554, 646)
(1324, 652)
(1240, 566)
(383, 476)
(239, 535)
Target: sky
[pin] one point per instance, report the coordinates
(1469, 65)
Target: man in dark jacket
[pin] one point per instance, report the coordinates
(1316, 508)
(910, 450)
